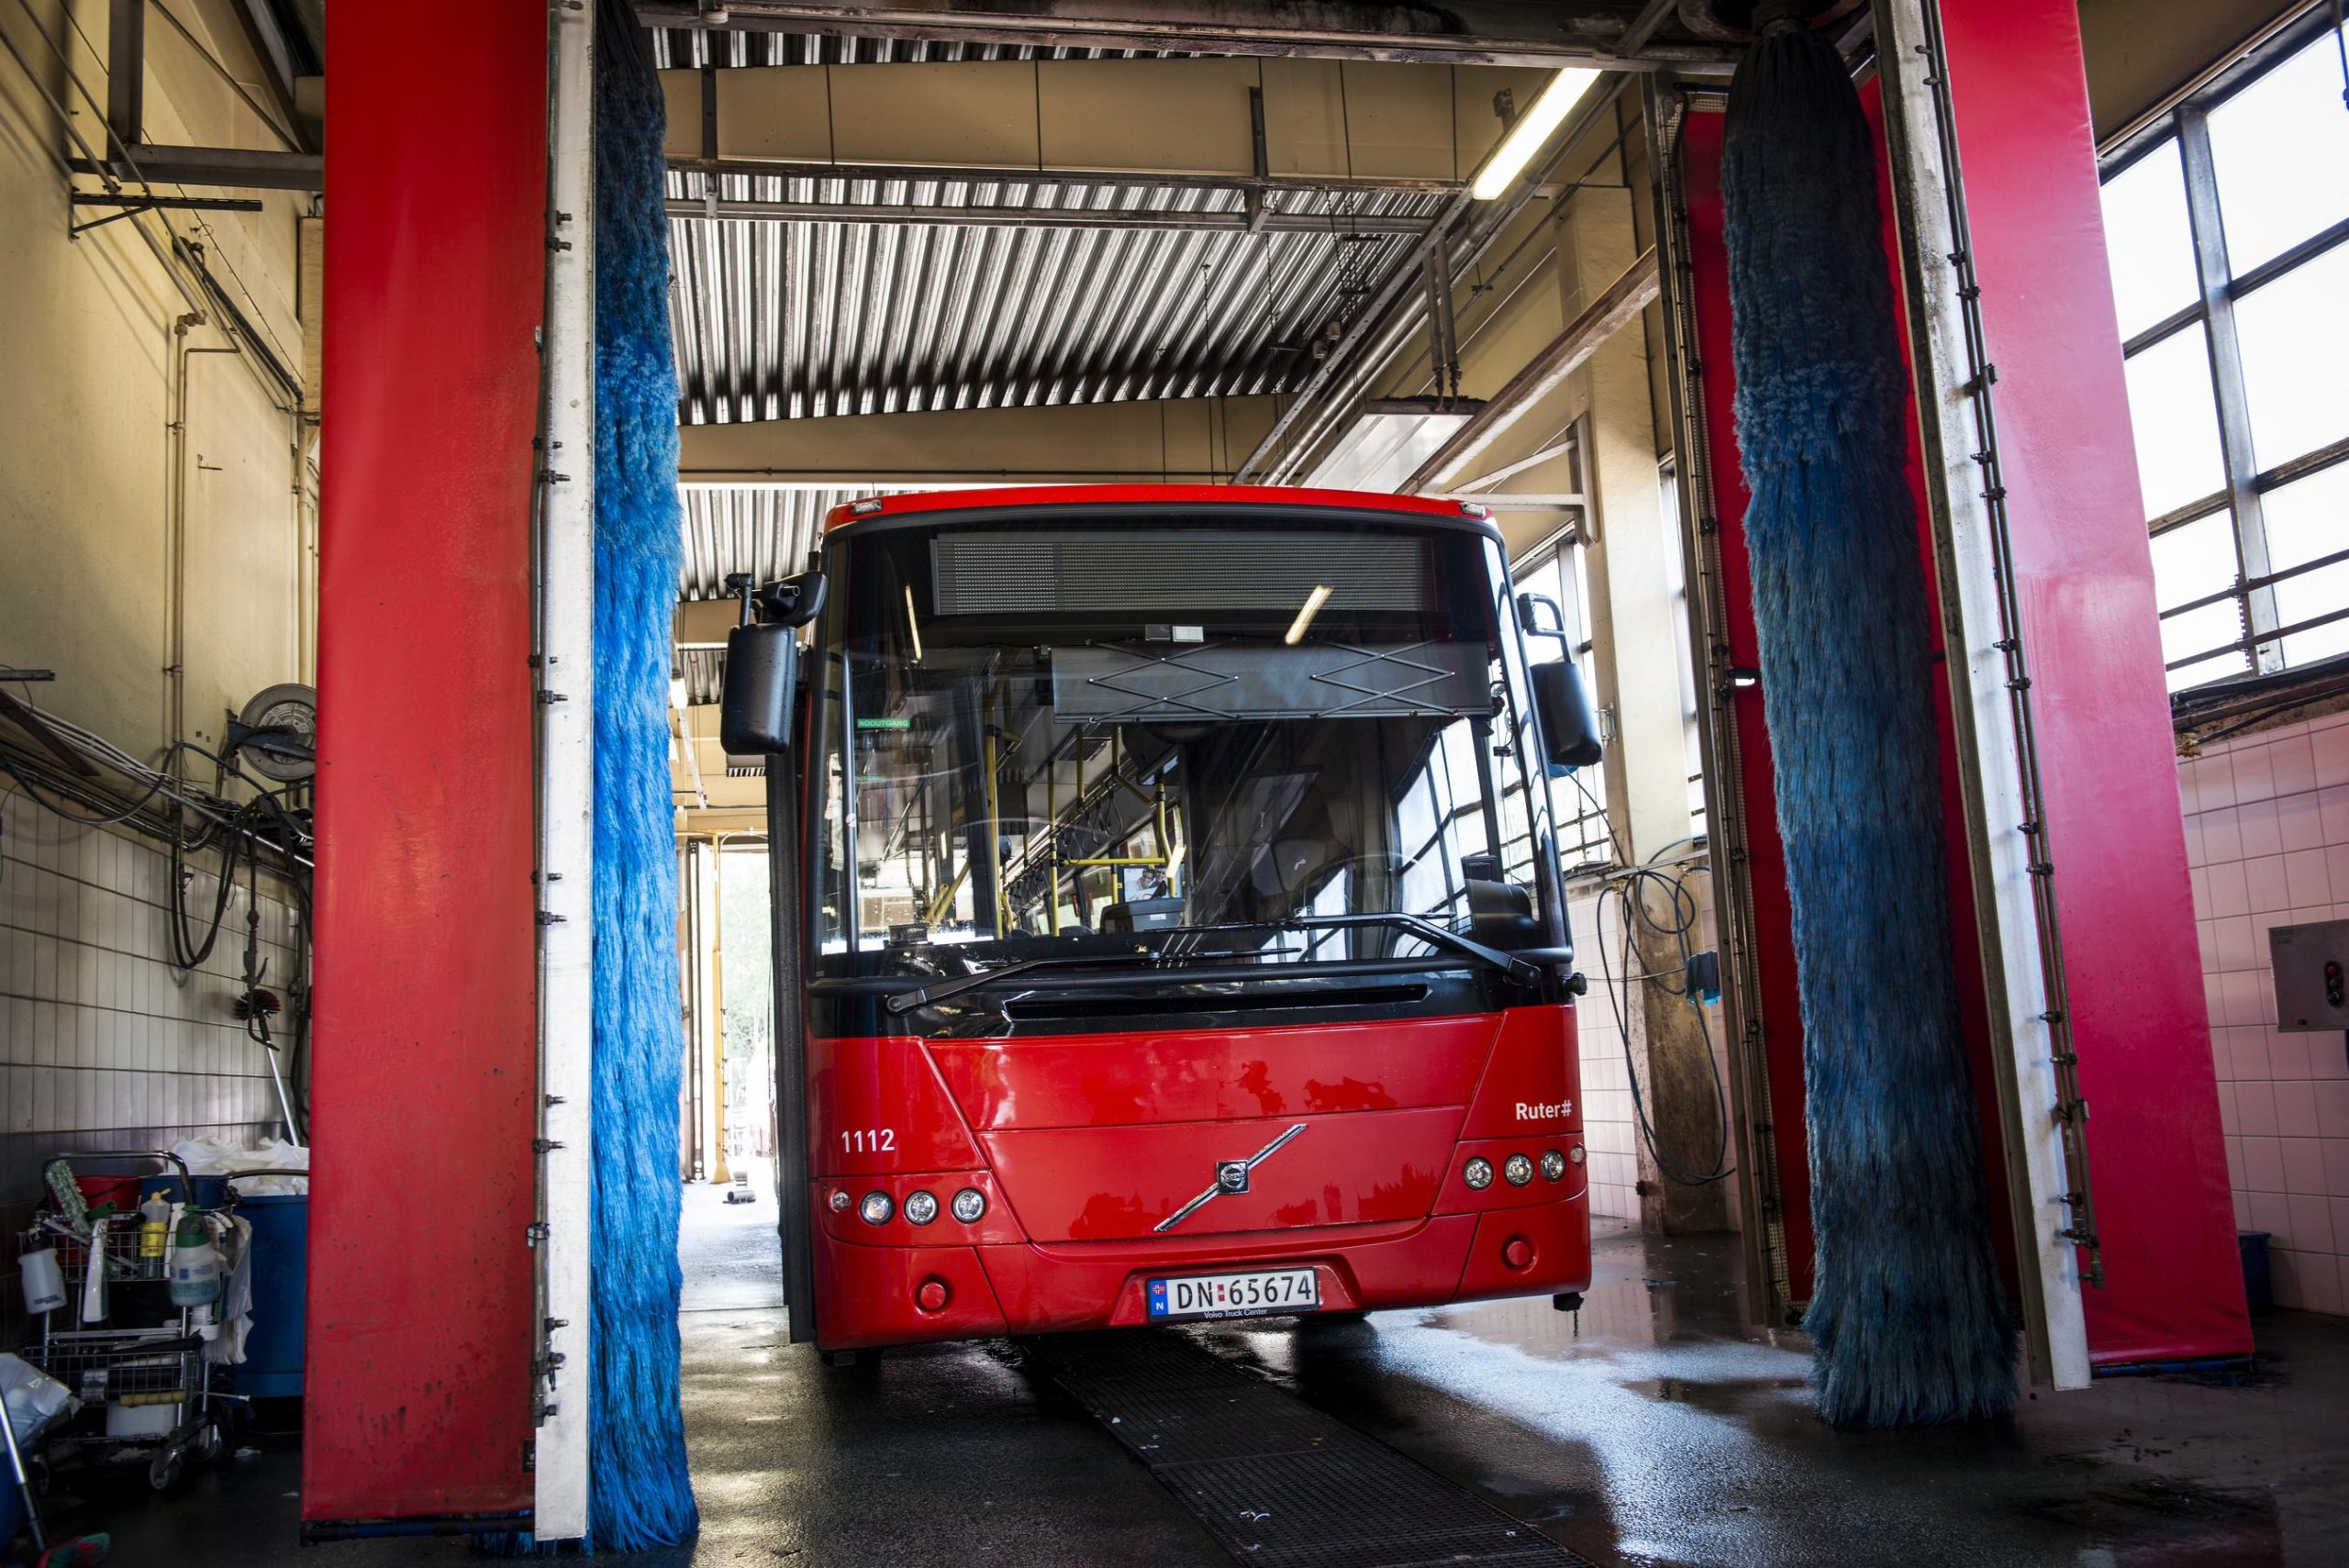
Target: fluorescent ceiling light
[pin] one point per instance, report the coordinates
(1531, 129)
(1305, 614)
(912, 624)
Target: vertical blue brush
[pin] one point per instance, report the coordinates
(1907, 1315)
(640, 1494)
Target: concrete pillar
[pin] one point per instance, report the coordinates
(1631, 561)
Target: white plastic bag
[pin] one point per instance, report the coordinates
(212, 1156)
(33, 1397)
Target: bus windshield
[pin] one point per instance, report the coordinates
(1041, 734)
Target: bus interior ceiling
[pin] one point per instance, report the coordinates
(1326, 905)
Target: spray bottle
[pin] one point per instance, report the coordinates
(154, 1234)
(196, 1264)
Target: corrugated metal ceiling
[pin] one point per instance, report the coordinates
(798, 319)
(778, 320)
(679, 47)
(765, 528)
(795, 319)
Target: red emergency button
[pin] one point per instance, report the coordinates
(933, 1295)
(1518, 1253)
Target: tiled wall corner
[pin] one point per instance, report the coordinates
(2267, 835)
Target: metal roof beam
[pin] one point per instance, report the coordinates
(233, 168)
(1334, 125)
(1026, 216)
(1183, 440)
(1092, 179)
(1478, 32)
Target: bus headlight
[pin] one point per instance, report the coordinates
(840, 1200)
(1517, 1169)
(1576, 1155)
(1478, 1173)
(921, 1207)
(876, 1208)
(970, 1205)
(1553, 1165)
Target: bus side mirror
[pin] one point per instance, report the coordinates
(1569, 729)
(755, 710)
(1569, 732)
(762, 662)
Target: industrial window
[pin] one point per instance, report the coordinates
(2226, 222)
(1557, 570)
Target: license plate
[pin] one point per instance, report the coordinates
(1261, 1294)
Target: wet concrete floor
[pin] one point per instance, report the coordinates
(1651, 1429)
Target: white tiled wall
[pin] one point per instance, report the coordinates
(2267, 835)
(103, 1044)
(1609, 1131)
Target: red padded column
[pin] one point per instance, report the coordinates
(418, 1389)
(2173, 1284)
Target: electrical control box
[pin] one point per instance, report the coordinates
(2312, 967)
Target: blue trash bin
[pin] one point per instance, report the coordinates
(2258, 1292)
(273, 1365)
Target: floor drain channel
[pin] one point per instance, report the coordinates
(1272, 1479)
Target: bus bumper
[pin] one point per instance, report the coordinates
(877, 1296)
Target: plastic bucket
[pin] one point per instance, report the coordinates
(281, 1271)
(123, 1192)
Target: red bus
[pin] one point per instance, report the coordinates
(1167, 919)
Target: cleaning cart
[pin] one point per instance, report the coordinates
(132, 1356)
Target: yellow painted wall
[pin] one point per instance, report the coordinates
(90, 347)
(1322, 117)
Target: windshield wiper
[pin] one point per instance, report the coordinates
(1521, 970)
(905, 1002)
(1524, 970)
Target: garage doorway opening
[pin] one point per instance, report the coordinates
(725, 1108)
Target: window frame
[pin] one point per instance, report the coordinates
(1584, 833)
(2220, 289)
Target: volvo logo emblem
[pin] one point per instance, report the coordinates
(1231, 1176)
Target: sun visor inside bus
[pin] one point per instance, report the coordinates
(1228, 681)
